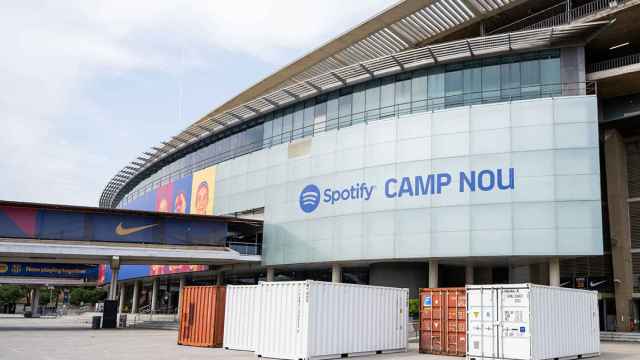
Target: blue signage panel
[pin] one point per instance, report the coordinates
(65, 271)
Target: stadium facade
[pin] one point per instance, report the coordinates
(436, 144)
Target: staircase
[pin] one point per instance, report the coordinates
(620, 336)
(146, 319)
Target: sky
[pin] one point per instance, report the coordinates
(87, 86)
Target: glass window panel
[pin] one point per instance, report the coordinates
(320, 121)
(419, 91)
(277, 128)
(332, 111)
(233, 144)
(530, 76)
(403, 93)
(358, 104)
(387, 97)
(309, 109)
(287, 124)
(510, 79)
(298, 121)
(490, 81)
(550, 76)
(267, 128)
(256, 137)
(435, 92)
(472, 83)
(453, 84)
(373, 100)
(346, 99)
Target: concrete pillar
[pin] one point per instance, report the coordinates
(336, 273)
(220, 278)
(554, 271)
(182, 282)
(468, 275)
(134, 300)
(271, 274)
(35, 302)
(123, 293)
(619, 225)
(154, 296)
(433, 273)
(113, 285)
(169, 298)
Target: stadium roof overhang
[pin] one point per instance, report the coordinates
(301, 87)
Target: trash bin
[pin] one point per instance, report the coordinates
(95, 322)
(122, 321)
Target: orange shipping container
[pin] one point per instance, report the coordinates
(202, 316)
(443, 321)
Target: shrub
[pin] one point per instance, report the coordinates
(414, 308)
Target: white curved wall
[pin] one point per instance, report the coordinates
(553, 207)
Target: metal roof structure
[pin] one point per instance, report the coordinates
(346, 75)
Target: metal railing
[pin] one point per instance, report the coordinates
(486, 96)
(557, 15)
(245, 248)
(614, 63)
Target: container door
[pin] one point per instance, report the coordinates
(515, 335)
(431, 322)
(456, 322)
(483, 323)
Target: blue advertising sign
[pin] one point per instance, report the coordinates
(65, 271)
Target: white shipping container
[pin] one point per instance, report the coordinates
(528, 321)
(241, 317)
(312, 319)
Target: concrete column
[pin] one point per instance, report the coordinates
(154, 296)
(113, 285)
(433, 273)
(123, 293)
(619, 225)
(336, 273)
(35, 302)
(169, 299)
(182, 282)
(271, 274)
(134, 300)
(220, 278)
(468, 275)
(554, 271)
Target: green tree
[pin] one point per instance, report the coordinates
(86, 295)
(10, 294)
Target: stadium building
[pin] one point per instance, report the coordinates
(436, 144)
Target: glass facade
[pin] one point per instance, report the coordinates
(496, 79)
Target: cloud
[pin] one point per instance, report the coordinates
(60, 143)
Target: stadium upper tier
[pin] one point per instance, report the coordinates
(444, 66)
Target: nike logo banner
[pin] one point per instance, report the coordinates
(122, 231)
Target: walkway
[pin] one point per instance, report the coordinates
(69, 338)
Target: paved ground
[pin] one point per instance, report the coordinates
(70, 338)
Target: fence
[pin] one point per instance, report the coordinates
(614, 63)
(557, 15)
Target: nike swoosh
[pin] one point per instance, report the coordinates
(122, 231)
(594, 284)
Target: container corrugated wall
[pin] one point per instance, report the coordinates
(311, 319)
(527, 321)
(241, 317)
(202, 316)
(443, 321)
(564, 322)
